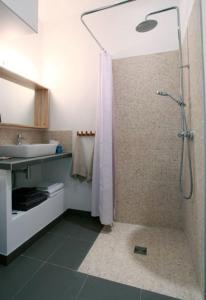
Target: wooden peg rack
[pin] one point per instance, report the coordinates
(85, 133)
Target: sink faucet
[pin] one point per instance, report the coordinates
(19, 139)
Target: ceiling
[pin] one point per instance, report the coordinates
(115, 27)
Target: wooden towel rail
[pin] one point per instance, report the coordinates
(85, 133)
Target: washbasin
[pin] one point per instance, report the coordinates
(27, 150)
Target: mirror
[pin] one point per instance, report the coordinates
(16, 103)
(23, 102)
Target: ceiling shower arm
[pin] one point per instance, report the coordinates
(179, 39)
(97, 10)
(164, 10)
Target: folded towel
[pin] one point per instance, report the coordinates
(26, 198)
(50, 188)
(55, 193)
(82, 163)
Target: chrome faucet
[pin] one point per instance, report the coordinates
(19, 139)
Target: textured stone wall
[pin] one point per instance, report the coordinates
(193, 209)
(147, 148)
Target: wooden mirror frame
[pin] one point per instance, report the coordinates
(41, 98)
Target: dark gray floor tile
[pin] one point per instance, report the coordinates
(14, 276)
(76, 212)
(97, 288)
(87, 232)
(1, 267)
(61, 229)
(81, 217)
(52, 283)
(77, 227)
(146, 295)
(71, 253)
(44, 247)
(86, 227)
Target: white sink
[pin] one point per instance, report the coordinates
(27, 150)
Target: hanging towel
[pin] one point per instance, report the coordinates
(82, 164)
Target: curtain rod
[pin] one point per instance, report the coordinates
(97, 10)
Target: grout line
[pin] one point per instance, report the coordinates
(33, 258)
(60, 266)
(44, 262)
(28, 281)
(52, 253)
(140, 294)
(81, 288)
(82, 240)
(66, 237)
(47, 258)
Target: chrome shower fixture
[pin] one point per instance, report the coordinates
(185, 134)
(161, 93)
(165, 94)
(146, 25)
(149, 24)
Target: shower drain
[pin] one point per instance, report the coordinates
(140, 250)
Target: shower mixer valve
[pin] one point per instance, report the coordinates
(188, 134)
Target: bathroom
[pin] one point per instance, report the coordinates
(153, 243)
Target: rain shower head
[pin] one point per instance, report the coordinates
(146, 25)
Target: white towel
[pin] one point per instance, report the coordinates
(83, 158)
(51, 187)
(51, 195)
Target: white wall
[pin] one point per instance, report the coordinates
(70, 69)
(23, 55)
(185, 11)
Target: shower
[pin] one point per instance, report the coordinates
(146, 25)
(161, 93)
(185, 134)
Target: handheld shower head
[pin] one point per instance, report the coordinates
(161, 93)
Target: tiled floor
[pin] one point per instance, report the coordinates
(48, 269)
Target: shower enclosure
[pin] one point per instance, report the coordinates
(185, 134)
(153, 156)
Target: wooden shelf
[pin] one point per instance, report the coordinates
(11, 125)
(16, 78)
(41, 111)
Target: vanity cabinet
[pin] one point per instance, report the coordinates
(16, 229)
(25, 10)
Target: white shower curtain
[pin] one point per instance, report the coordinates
(102, 182)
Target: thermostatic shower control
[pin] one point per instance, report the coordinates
(186, 134)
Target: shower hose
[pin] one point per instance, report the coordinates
(186, 137)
